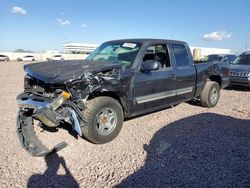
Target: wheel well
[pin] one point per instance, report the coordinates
(114, 95)
(216, 78)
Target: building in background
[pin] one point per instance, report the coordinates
(79, 48)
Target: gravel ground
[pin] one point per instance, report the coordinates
(185, 146)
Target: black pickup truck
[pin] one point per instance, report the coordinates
(119, 80)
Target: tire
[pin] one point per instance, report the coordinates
(96, 115)
(33, 59)
(62, 59)
(210, 94)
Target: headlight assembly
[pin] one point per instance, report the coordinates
(77, 88)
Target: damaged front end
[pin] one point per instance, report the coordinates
(50, 113)
(54, 105)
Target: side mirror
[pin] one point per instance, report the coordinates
(150, 65)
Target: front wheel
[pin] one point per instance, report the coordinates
(103, 120)
(210, 94)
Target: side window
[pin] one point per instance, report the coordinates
(181, 55)
(231, 58)
(158, 53)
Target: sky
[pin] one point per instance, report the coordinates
(47, 24)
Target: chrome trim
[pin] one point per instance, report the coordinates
(184, 90)
(162, 95)
(156, 96)
(29, 103)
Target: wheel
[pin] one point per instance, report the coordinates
(33, 59)
(103, 120)
(62, 59)
(210, 94)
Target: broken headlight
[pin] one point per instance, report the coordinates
(77, 88)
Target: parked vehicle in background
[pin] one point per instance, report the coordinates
(56, 58)
(4, 58)
(26, 58)
(222, 57)
(240, 70)
(120, 79)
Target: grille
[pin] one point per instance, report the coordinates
(240, 74)
(32, 85)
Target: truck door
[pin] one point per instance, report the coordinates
(155, 88)
(185, 72)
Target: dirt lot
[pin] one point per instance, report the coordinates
(185, 146)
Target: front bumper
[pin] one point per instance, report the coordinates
(44, 110)
(240, 81)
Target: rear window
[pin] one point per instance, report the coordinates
(181, 55)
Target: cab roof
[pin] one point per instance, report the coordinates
(149, 40)
(246, 53)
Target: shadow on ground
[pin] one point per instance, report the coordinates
(50, 178)
(206, 150)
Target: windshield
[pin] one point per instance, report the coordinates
(242, 60)
(229, 58)
(123, 53)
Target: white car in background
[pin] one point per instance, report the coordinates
(26, 58)
(55, 58)
(4, 58)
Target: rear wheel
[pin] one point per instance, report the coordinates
(103, 120)
(210, 94)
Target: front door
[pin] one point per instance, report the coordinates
(153, 89)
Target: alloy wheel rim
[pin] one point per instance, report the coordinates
(214, 95)
(106, 121)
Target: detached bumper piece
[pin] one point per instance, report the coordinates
(30, 141)
(45, 111)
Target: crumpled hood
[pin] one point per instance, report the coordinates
(240, 68)
(61, 72)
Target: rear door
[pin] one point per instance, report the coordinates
(155, 88)
(185, 72)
